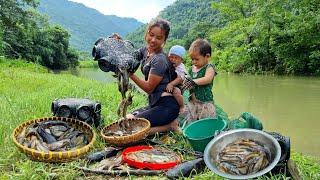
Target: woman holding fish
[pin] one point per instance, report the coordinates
(163, 109)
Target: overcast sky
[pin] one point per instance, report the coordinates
(142, 10)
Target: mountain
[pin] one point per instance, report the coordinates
(188, 18)
(84, 24)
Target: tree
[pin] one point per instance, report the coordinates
(274, 36)
(28, 35)
(53, 48)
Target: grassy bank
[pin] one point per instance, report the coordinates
(26, 92)
(88, 64)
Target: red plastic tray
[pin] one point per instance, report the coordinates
(145, 165)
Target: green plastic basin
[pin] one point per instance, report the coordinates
(201, 132)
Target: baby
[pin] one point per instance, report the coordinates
(176, 54)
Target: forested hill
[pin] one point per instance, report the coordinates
(280, 37)
(84, 24)
(188, 18)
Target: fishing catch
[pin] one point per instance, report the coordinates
(52, 136)
(132, 128)
(154, 155)
(185, 169)
(119, 56)
(243, 157)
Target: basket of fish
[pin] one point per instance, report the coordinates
(242, 154)
(149, 157)
(126, 131)
(54, 139)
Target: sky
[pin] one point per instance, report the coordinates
(142, 10)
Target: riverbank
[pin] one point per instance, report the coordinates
(27, 91)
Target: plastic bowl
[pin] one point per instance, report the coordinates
(200, 133)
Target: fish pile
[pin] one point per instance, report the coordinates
(243, 157)
(52, 136)
(154, 155)
(131, 128)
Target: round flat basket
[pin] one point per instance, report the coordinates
(141, 125)
(56, 156)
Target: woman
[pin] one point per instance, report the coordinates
(163, 109)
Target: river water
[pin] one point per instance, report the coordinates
(288, 105)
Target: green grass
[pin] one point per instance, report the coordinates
(88, 64)
(26, 92)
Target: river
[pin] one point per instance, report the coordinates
(288, 105)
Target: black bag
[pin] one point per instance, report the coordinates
(113, 54)
(82, 109)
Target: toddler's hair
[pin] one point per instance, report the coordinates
(202, 46)
(162, 24)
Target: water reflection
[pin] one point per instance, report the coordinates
(288, 105)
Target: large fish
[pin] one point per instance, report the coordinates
(186, 168)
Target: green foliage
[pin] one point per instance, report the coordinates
(137, 36)
(28, 36)
(88, 64)
(255, 36)
(52, 46)
(189, 20)
(1, 41)
(274, 36)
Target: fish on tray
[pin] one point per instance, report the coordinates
(154, 155)
(52, 136)
(243, 157)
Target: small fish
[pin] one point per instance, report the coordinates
(41, 146)
(243, 157)
(58, 144)
(48, 138)
(109, 163)
(52, 136)
(22, 135)
(57, 131)
(154, 155)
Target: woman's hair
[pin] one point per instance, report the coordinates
(162, 24)
(202, 46)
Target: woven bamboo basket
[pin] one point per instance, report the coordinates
(56, 156)
(126, 139)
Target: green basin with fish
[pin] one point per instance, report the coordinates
(199, 133)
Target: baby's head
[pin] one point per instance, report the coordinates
(176, 54)
(200, 52)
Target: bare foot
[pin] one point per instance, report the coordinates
(174, 126)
